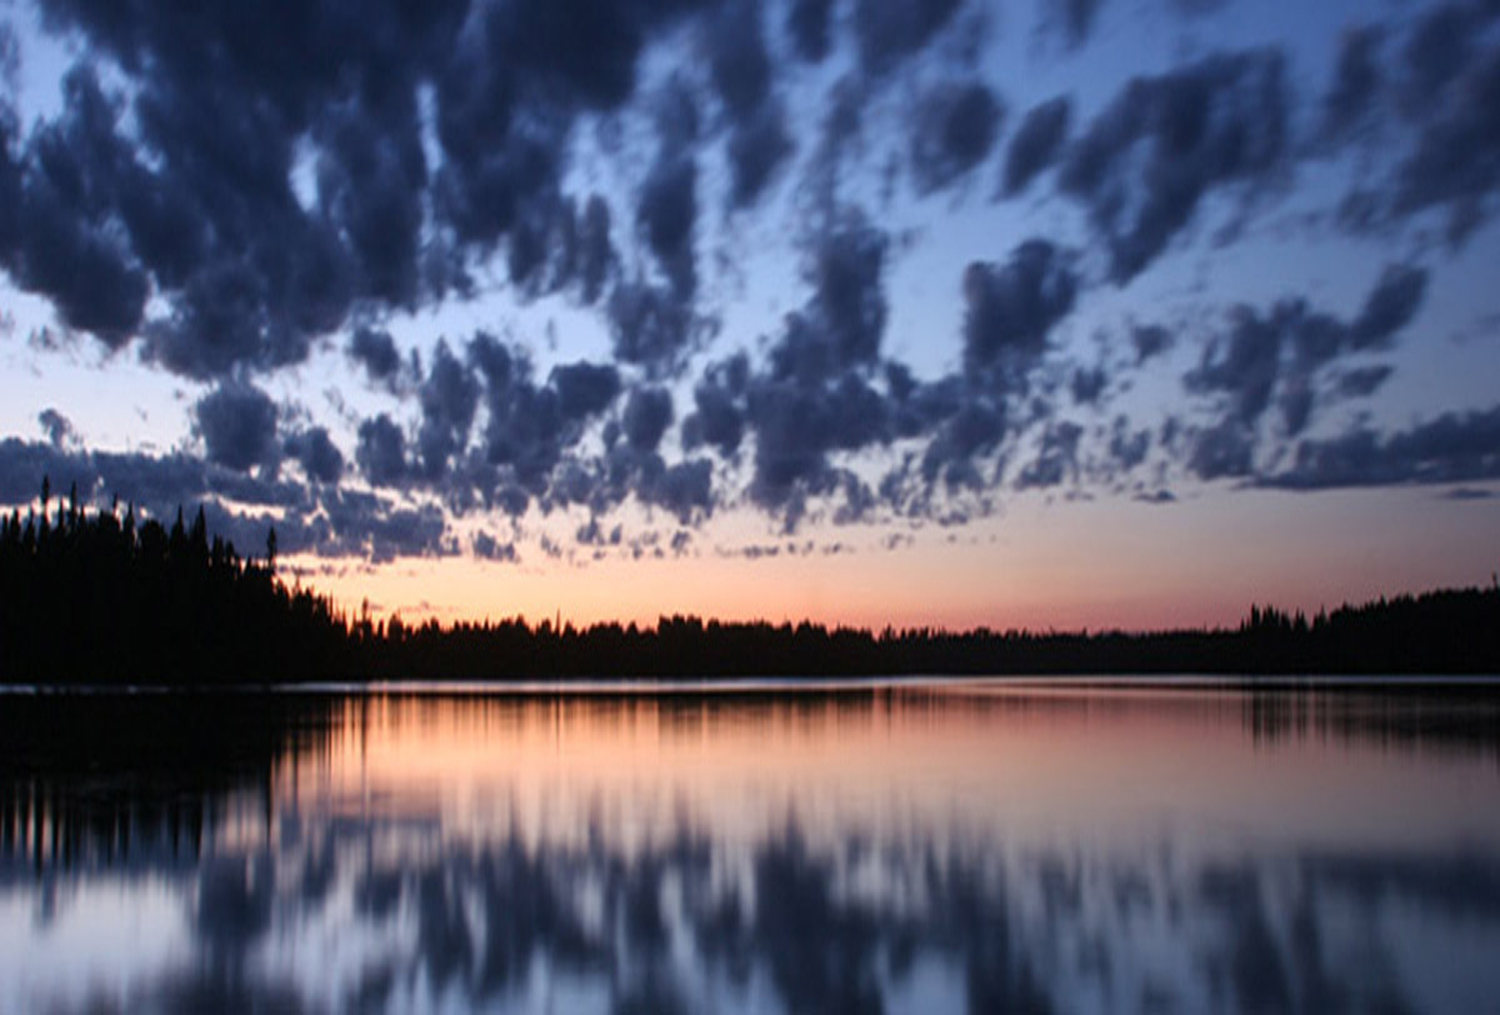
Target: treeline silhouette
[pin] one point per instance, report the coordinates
(101, 599)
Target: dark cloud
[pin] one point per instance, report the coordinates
(381, 453)
(1074, 18)
(1010, 309)
(1127, 448)
(757, 148)
(796, 427)
(584, 389)
(64, 244)
(595, 259)
(1357, 80)
(1226, 449)
(718, 419)
(648, 413)
(375, 350)
(1363, 382)
(57, 427)
(449, 398)
(1088, 384)
(314, 450)
(335, 523)
(1390, 306)
(969, 433)
(1037, 144)
(685, 489)
(1148, 160)
(238, 424)
(807, 22)
(1149, 341)
(739, 66)
(487, 547)
(955, 127)
(1453, 448)
(849, 304)
(1056, 459)
(196, 204)
(1438, 49)
(530, 428)
(1286, 348)
(650, 325)
(886, 32)
(1455, 92)
(372, 173)
(368, 526)
(667, 213)
(1244, 364)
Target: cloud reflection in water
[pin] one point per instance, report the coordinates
(881, 854)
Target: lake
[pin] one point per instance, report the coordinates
(911, 846)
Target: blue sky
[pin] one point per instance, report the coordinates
(934, 311)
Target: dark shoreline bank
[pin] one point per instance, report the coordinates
(89, 599)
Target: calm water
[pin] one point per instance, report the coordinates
(918, 848)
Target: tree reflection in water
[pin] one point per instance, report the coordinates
(297, 873)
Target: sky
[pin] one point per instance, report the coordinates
(1034, 313)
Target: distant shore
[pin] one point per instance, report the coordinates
(97, 599)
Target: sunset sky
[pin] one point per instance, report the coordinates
(1045, 313)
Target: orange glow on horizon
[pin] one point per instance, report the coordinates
(1106, 565)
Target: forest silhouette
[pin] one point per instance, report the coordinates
(102, 599)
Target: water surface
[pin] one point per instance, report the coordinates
(867, 847)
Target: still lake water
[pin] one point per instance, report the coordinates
(919, 847)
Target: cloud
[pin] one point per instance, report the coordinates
(333, 523)
(1127, 448)
(739, 66)
(1074, 18)
(887, 32)
(61, 245)
(1357, 81)
(667, 213)
(584, 389)
(368, 526)
(1149, 341)
(238, 424)
(1454, 91)
(1056, 459)
(381, 453)
(449, 398)
(190, 197)
(1391, 305)
(1226, 449)
(1362, 382)
(717, 419)
(1088, 384)
(956, 125)
(314, 450)
(757, 148)
(1245, 363)
(807, 22)
(650, 325)
(798, 425)
(648, 413)
(1452, 448)
(965, 435)
(1010, 309)
(57, 427)
(375, 350)
(1288, 346)
(1038, 142)
(1147, 161)
(225, 208)
(849, 305)
(487, 547)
